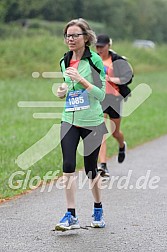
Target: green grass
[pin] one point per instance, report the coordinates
(21, 57)
(19, 130)
(39, 27)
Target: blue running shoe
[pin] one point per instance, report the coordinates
(67, 222)
(98, 220)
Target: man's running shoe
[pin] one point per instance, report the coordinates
(122, 153)
(67, 222)
(98, 220)
(104, 172)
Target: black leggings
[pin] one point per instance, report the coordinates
(92, 138)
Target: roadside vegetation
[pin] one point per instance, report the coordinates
(40, 52)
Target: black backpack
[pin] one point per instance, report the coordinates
(123, 88)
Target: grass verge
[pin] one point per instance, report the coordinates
(20, 130)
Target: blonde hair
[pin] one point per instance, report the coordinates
(80, 22)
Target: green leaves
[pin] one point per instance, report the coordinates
(123, 19)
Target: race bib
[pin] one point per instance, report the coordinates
(77, 100)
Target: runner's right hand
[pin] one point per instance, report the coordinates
(62, 90)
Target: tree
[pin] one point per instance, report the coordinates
(123, 19)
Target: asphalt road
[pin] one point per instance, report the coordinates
(134, 202)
